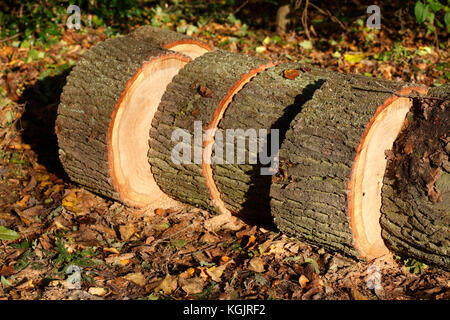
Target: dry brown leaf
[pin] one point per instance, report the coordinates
(168, 285)
(119, 259)
(97, 291)
(303, 281)
(127, 231)
(356, 295)
(224, 221)
(256, 264)
(192, 285)
(291, 74)
(216, 272)
(138, 278)
(208, 237)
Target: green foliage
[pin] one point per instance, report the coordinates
(426, 13)
(8, 234)
(414, 266)
(41, 20)
(81, 258)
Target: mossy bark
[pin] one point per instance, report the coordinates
(90, 95)
(309, 194)
(416, 191)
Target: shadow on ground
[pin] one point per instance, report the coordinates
(38, 121)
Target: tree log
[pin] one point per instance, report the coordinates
(332, 164)
(105, 114)
(200, 92)
(416, 192)
(270, 101)
(170, 40)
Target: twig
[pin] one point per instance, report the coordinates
(328, 13)
(240, 7)
(10, 38)
(305, 19)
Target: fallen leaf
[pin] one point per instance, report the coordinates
(290, 74)
(70, 202)
(138, 278)
(306, 44)
(216, 272)
(119, 259)
(127, 231)
(260, 49)
(208, 237)
(353, 57)
(256, 264)
(23, 202)
(192, 285)
(111, 250)
(8, 234)
(356, 295)
(168, 284)
(6, 271)
(303, 281)
(97, 291)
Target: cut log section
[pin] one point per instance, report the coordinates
(268, 102)
(195, 101)
(416, 192)
(332, 162)
(105, 115)
(173, 41)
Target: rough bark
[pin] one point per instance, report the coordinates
(309, 195)
(416, 191)
(269, 101)
(165, 38)
(88, 100)
(195, 94)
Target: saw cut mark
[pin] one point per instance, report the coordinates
(129, 129)
(190, 47)
(211, 131)
(366, 180)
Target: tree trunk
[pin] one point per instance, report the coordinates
(282, 17)
(105, 114)
(332, 162)
(416, 192)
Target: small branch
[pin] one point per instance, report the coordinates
(305, 19)
(10, 38)
(328, 13)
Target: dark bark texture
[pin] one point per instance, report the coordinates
(158, 36)
(269, 101)
(92, 91)
(193, 95)
(309, 194)
(416, 191)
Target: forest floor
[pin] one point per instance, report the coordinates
(67, 243)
